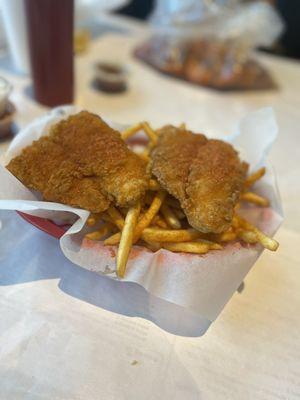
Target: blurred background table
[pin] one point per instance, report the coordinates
(151, 96)
(251, 351)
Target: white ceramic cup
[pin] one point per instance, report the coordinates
(15, 27)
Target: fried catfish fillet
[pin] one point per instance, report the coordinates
(206, 176)
(83, 163)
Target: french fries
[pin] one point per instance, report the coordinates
(149, 214)
(154, 185)
(116, 217)
(112, 240)
(213, 245)
(132, 130)
(91, 221)
(143, 222)
(251, 179)
(103, 231)
(153, 246)
(149, 132)
(188, 247)
(227, 236)
(170, 217)
(127, 238)
(159, 224)
(170, 235)
(106, 218)
(179, 214)
(255, 198)
(144, 156)
(247, 236)
(264, 240)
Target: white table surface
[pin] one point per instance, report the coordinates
(251, 352)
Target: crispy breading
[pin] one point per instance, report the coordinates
(84, 163)
(215, 181)
(172, 158)
(206, 176)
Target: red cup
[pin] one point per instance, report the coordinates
(50, 36)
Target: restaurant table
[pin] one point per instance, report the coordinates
(64, 334)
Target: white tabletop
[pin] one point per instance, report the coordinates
(61, 337)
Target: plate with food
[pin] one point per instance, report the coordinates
(183, 215)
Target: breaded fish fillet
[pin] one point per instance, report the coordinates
(84, 163)
(206, 176)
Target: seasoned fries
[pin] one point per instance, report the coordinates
(158, 221)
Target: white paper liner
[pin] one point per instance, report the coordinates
(199, 285)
